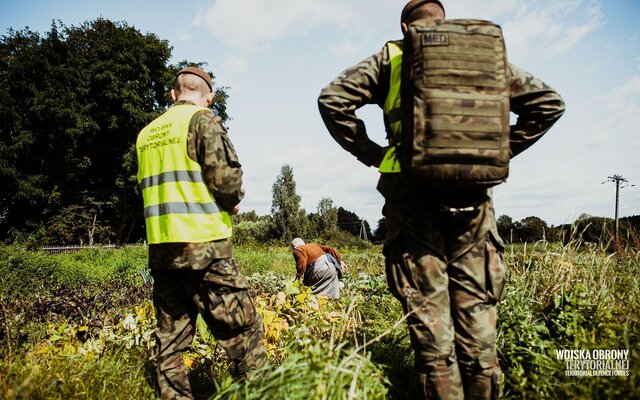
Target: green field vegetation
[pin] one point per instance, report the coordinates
(79, 326)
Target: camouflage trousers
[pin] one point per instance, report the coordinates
(444, 264)
(220, 294)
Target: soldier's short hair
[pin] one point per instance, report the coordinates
(194, 79)
(420, 9)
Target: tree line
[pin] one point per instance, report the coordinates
(586, 228)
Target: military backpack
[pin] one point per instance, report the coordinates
(455, 104)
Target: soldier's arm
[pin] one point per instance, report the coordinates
(209, 146)
(537, 106)
(338, 102)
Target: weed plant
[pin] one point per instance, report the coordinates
(80, 326)
(575, 297)
(118, 373)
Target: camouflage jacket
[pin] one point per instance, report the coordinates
(208, 144)
(537, 105)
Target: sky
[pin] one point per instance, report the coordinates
(275, 57)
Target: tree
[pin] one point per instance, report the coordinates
(327, 217)
(249, 227)
(251, 216)
(593, 229)
(71, 103)
(532, 229)
(288, 219)
(505, 227)
(381, 229)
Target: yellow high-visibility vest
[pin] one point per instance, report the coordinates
(178, 206)
(392, 103)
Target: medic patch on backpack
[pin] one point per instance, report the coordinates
(435, 38)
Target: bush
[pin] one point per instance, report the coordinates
(252, 232)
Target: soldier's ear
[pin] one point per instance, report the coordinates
(174, 96)
(404, 27)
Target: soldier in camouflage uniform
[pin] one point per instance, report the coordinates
(443, 254)
(202, 277)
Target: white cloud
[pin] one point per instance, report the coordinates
(346, 48)
(628, 89)
(574, 33)
(234, 63)
(245, 24)
(486, 9)
(623, 119)
(183, 36)
(614, 121)
(544, 31)
(251, 29)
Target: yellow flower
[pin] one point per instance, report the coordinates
(301, 297)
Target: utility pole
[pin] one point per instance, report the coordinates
(363, 231)
(620, 183)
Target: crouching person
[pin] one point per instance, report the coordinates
(320, 267)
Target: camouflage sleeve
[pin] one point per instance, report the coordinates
(338, 102)
(537, 106)
(208, 144)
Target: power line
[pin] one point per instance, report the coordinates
(620, 183)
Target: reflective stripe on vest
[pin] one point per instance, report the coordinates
(178, 206)
(390, 163)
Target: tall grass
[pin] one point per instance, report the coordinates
(314, 372)
(572, 297)
(117, 374)
(78, 326)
